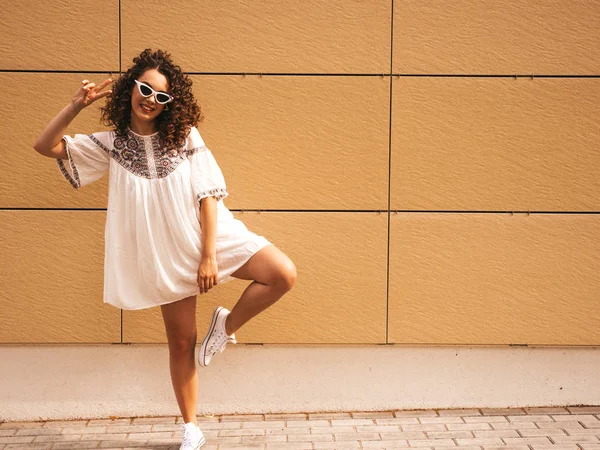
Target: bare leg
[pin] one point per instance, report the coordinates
(274, 274)
(180, 324)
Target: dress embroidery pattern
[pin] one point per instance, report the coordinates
(74, 180)
(143, 155)
(219, 193)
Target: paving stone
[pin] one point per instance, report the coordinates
(147, 420)
(449, 434)
(242, 418)
(553, 447)
(502, 411)
(67, 423)
(384, 444)
(403, 435)
(351, 422)
(348, 445)
(468, 426)
(462, 429)
(373, 415)
(37, 431)
(243, 432)
(321, 437)
(262, 424)
(495, 433)
(416, 413)
(547, 410)
(308, 423)
(317, 430)
(263, 439)
(20, 425)
(429, 443)
(459, 412)
(486, 419)
(108, 422)
(508, 447)
(16, 439)
(287, 446)
(584, 409)
(147, 436)
(286, 416)
(398, 421)
(357, 436)
(514, 425)
(438, 419)
(530, 418)
(426, 427)
(58, 438)
(329, 416)
(31, 445)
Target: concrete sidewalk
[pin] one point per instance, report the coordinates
(480, 429)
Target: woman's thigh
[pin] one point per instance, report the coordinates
(267, 265)
(180, 319)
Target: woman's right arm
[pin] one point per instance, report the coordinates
(50, 143)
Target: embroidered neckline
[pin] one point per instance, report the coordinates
(131, 132)
(143, 156)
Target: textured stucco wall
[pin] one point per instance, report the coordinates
(375, 127)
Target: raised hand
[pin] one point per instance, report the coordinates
(88, 93)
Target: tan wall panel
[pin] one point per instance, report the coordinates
(267, 36)
(320, 143)
(339, 295)
(497, 37)
(495, 144)
(494, 279)
(60, 35)
(299, 142)
(28, 179)
(51, 273)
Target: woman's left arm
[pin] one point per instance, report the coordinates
(208, 270)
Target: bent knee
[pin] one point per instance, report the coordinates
(286, 276)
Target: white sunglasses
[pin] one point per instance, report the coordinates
(147, 91)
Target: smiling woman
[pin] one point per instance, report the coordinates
(132, 106)
(163, 241)
(146, 108)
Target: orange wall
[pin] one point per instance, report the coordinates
(397, 137)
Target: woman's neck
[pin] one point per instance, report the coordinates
(143, 128)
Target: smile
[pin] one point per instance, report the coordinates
(146, 108)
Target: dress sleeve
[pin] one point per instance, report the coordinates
(87, 159)
(207, 178)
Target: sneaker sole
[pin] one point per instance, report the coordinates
(202, 442)
(213, 324)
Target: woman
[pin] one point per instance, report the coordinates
(169, 236)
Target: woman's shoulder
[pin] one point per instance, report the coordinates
(97, 139)
(194, 142)
(103, 139)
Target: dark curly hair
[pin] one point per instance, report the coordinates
(175, 120)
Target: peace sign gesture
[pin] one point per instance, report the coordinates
(88, 93)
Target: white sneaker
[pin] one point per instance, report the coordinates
(216, 338)
(193, 438)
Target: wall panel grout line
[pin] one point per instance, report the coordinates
(120, 72)
(292, 74)
(387, 279)
(395, 211)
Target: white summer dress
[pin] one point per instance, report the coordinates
(153, 230)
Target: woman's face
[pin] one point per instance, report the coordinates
(147, 108)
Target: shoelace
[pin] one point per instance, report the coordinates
(219, 342)
(188, 438)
